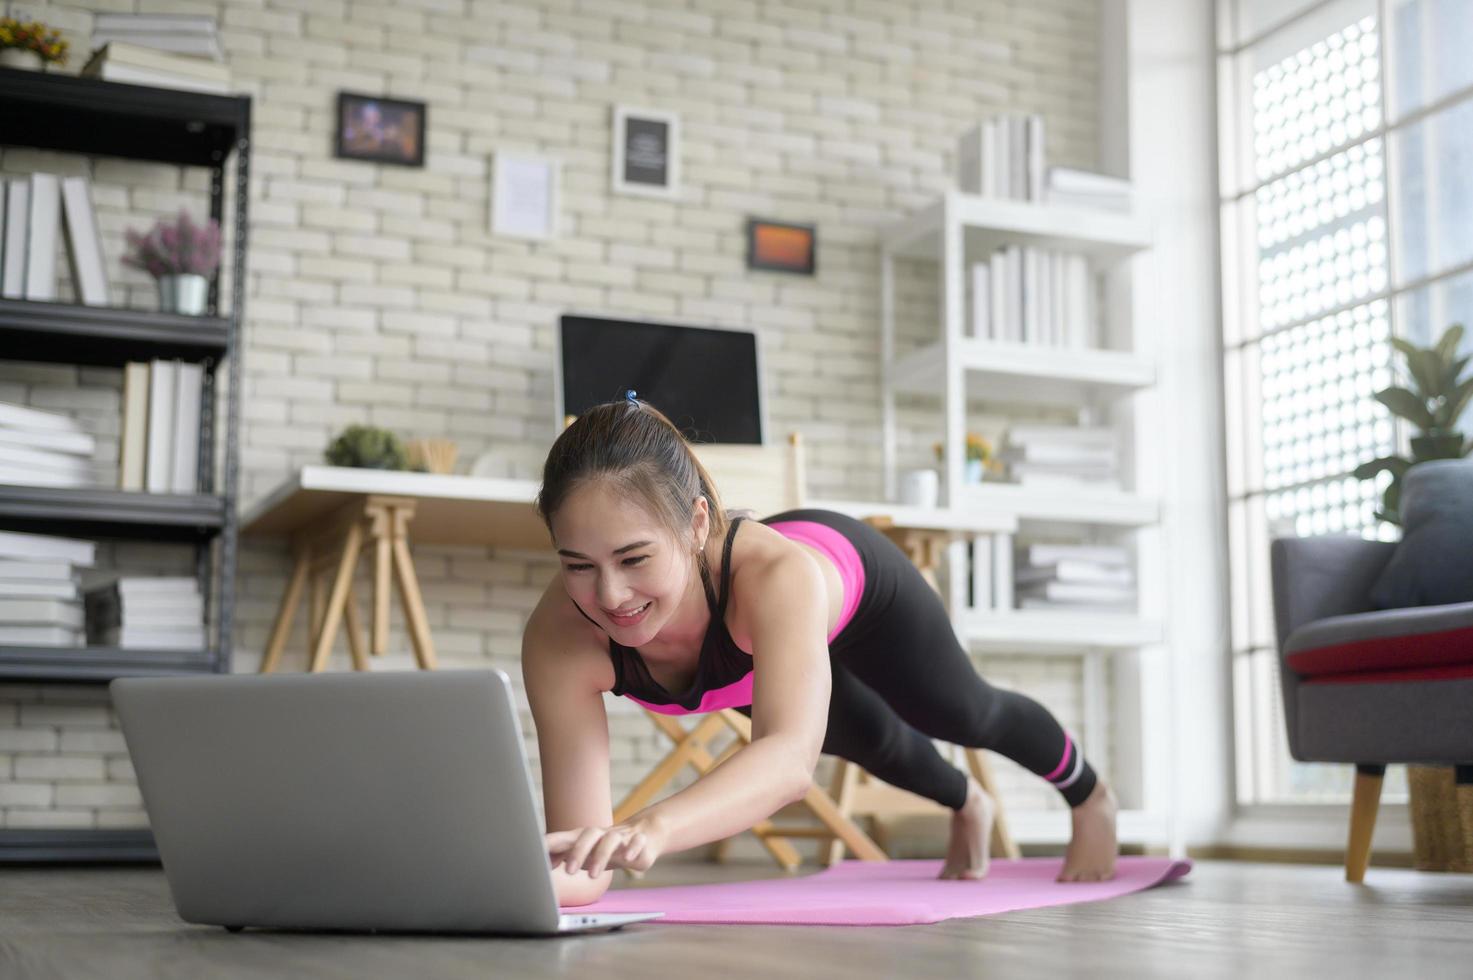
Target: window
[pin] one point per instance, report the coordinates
(1346, 129)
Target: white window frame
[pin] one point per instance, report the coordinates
(1241, 330)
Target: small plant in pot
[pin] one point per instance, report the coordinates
(367, 447)
(31, 46)
(181, 256)
(1433, 403)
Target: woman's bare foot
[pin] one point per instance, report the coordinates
(971, 836)
(1092, 850)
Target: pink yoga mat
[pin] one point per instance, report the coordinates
(886, 893)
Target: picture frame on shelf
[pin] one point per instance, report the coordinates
(525, 192)
(779, 246)
(380, 130)
(646, 152)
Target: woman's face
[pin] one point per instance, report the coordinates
(619, 565)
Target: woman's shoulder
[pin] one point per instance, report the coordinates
(757, 549)
(558, 635)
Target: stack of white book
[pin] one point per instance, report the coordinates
(1082, 577)
(30, 226)
(1033, 296)
(1062, 456)
(146, 612)
(1085, 189)
(193, 34)
(42, 449)
(121, 61)
(161, 422)
(1003, 157)
(39, 596)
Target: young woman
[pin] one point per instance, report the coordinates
(815, 626)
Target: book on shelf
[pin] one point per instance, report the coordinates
(41, 612)
(1044, 553)
(162, 413)
(151, 59)
(1077, 592)
(981, 321)
(17, 238)
(46, 463)
(145, 638)
(120, 61)
(68, 443)
(188, 382)
(36, 571)
(133, 447)
(154, 24)
(1074, 570)
(129, 75)
(40, 636)
(1061, 456)
(1003, 157)
(1038, 297)
(159, 470)
(25, 589)
(44, 449)
(45, 547)
(45, 222)
(192, 34)
(1081, 188)
(1056, 605)
(89, 273)
(120, 611)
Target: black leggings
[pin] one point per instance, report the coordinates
(900, 679)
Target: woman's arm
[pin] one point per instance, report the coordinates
(788, 603)
(572, 742)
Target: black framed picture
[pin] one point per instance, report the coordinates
(780, 246)
(370, 127)
(646, 158)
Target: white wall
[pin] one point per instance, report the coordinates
(377, 294)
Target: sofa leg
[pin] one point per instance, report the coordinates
(1363, 806)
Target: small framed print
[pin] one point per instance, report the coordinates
(380, 130)
(646, 152)
(781, 247)
(524, 195)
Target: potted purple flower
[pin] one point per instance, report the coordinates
(181, 256)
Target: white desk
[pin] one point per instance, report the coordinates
(332, 514)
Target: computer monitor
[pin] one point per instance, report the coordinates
(707, 380)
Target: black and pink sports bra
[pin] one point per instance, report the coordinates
(723, 670)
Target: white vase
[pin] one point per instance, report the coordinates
(973, 471)
(22, 59)
(187, 293)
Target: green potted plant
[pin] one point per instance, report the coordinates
(30, 45)
(367, 447)
(1436, 398)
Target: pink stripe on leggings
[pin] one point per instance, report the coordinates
(1068, 744)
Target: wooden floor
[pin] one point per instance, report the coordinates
(1224, 920)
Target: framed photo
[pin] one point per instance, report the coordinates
(524, 195)
(380, 130)
(781, 247)
(646, 152)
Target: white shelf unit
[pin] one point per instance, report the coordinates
(949, 232)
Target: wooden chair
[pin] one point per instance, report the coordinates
(769, 480)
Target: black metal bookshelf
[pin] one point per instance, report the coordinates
(106, 119)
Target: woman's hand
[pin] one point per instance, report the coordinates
(634, 844)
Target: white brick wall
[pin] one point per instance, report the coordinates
(377, 294)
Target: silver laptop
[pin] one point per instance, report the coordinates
(393, 801)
